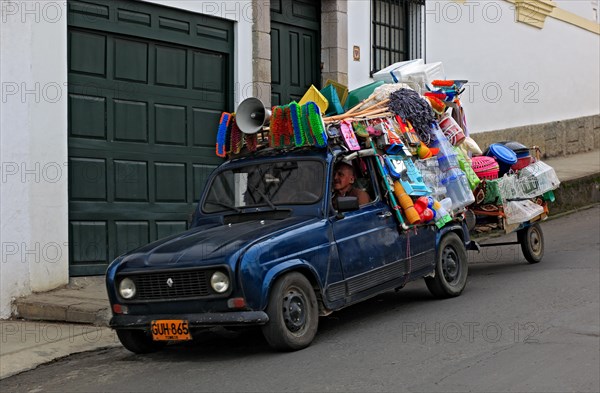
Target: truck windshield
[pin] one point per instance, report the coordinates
(266, 184)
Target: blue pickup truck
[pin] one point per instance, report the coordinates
(266, 247)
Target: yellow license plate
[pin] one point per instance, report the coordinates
(170, 330)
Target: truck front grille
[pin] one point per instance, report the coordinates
(183, 284)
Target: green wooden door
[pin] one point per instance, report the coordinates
(295, 49)
(147, 85)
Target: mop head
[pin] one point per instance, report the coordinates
(236, 137)
(251, 142)
(384, 91)
(298, 126)
(409, 105)
(222, 134)
(281, 133)
(276, 122)
(315, 123)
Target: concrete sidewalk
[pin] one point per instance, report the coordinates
(79, 313)
(83, 300)
(26, 344)
(576, 166)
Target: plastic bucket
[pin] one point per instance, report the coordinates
(520, 149)
(452, 130)
(523, 156)
(522, 162)
(504, 156)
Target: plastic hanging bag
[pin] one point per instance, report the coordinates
(521, 211)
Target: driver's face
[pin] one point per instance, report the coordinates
(343, 179)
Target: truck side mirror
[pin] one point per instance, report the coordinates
(347, 203)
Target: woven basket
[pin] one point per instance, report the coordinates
(485, 167)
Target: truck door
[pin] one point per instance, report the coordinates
(371, 248)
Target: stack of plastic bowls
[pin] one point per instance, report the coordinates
(523, 156)
(503, 155)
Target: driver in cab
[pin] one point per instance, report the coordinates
(343, 184)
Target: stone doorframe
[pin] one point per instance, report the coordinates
(334, 45)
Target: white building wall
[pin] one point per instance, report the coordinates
(33, 144)
(583, 8)
(518, 74)
(359, 33)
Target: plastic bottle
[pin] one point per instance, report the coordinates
(441, 216)
(430, 171)
(457, 188)
(441, 142)
(446, 204)
(447, 156)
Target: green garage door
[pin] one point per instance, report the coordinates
(147, 85)
(295, 49)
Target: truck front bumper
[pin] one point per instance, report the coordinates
(237, 318)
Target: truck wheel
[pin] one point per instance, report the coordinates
(451, 268)
(293, 313)
(532, 243)
(137, 341)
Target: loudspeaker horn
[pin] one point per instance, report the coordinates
(252, 115)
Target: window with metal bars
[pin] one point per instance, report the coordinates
(396, 31)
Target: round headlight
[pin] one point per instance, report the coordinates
(219, 282)
(127, 288)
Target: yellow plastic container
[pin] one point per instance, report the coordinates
(312, 94)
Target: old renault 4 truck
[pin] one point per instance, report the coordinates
(267, 248)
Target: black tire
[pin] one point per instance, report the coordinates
(532, 243)
(138, 341)
(451, 268)
(293, 313)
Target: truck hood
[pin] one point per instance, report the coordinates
(208, 244)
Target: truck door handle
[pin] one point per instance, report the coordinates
(384, 214)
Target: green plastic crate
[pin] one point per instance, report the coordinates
(357, 95)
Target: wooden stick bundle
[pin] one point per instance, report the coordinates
(374, 109)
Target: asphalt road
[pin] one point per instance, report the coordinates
(516, 328)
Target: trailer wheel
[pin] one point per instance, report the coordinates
(532, 242)
(293, 313)
(451, 268)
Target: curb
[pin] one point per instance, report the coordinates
(49, 309)
(576, 193)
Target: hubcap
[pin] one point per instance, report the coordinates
(535, 241)
(450, 266)
(294, 310)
